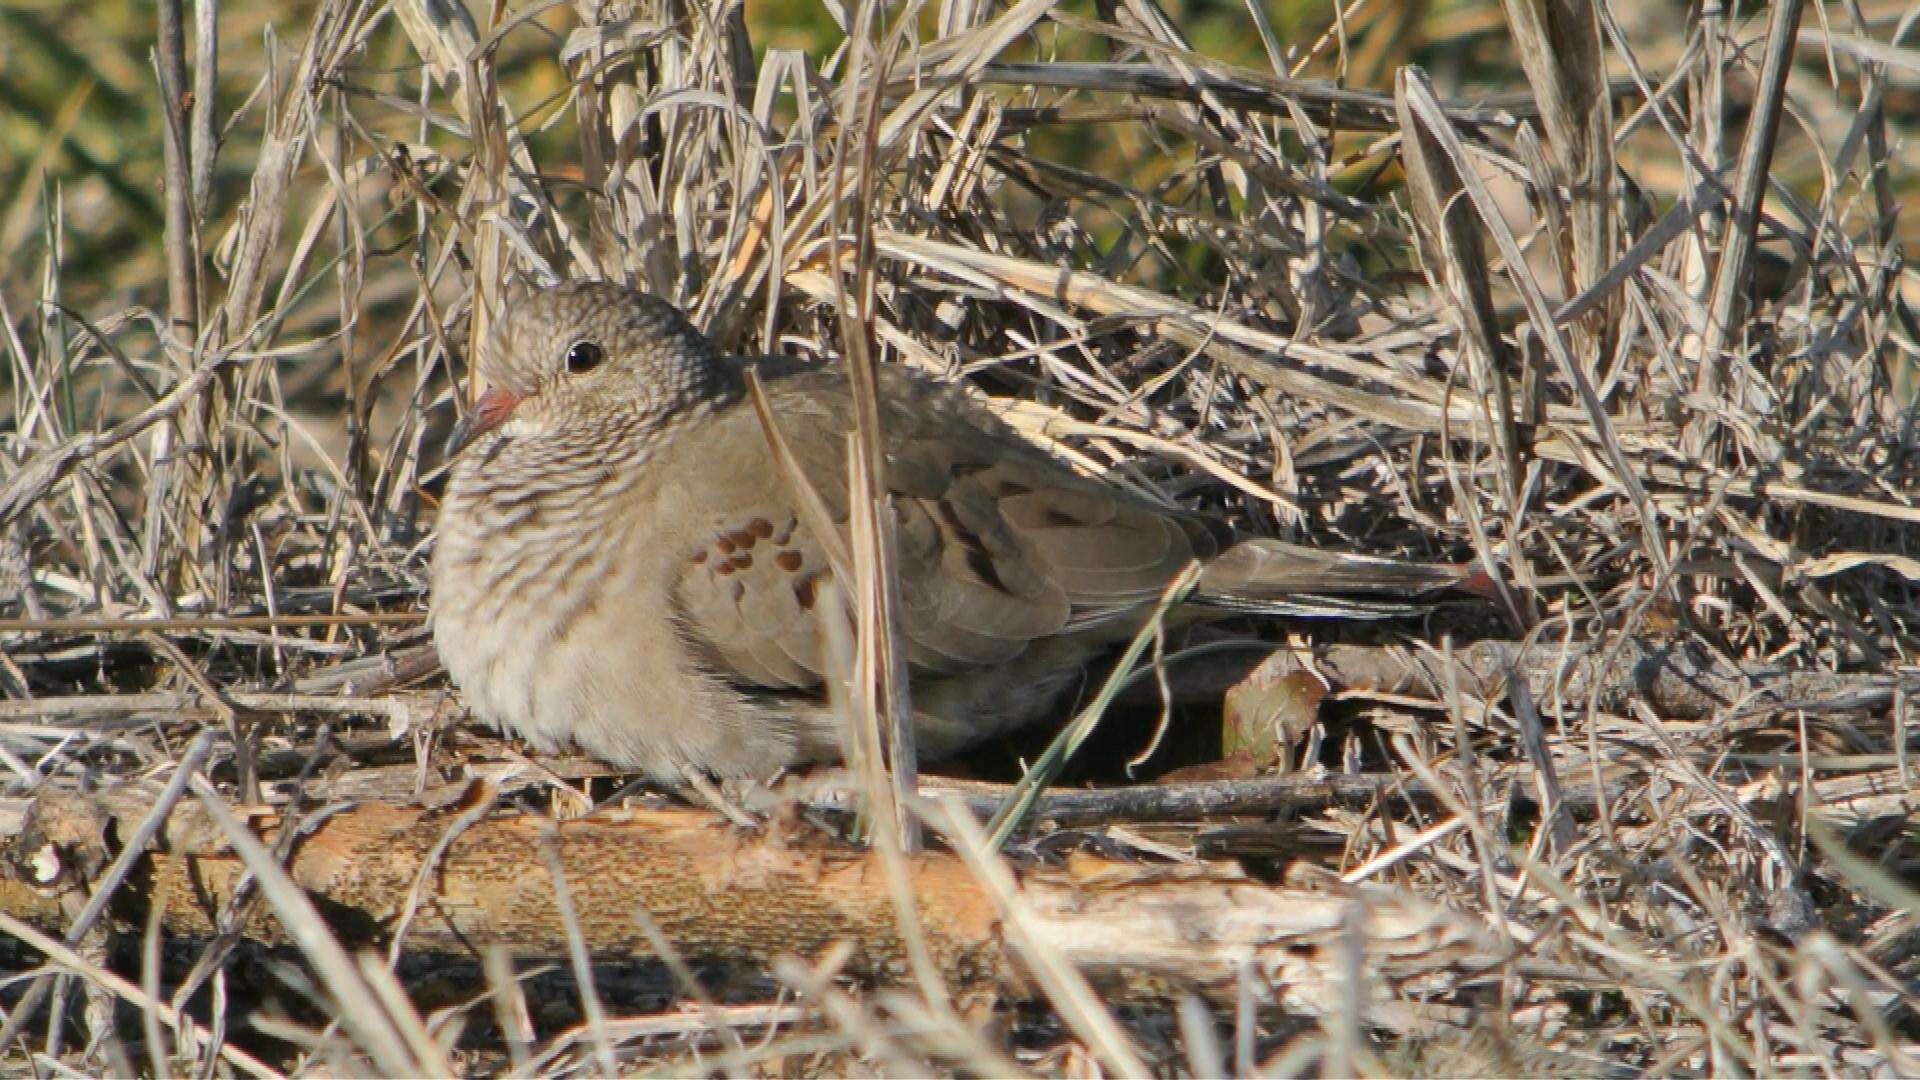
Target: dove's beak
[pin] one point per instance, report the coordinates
(493, 409)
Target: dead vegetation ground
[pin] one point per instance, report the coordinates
(1634, 333)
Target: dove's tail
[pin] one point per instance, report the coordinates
(1264, 576)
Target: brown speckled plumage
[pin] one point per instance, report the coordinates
(620, 564)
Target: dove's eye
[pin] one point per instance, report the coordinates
(584, 356)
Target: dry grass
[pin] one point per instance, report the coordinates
(1653, 366)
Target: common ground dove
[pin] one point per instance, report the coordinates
(622, 563)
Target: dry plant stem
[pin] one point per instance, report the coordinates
(709, 1011)
(208, 413)
(1419, 92)
(109, 882)
(1202, 1043)
(183, 293)
(1064, 985)
(1557, 819)
(198, 430)
(1559, 45)
(1789, 869)
(1702, 200)
(397, 711)
(201, 144)
(1607, 942)
(1358, 109)
(1197, 801)
(1873, 84)
(32, 481)
(1418, 409)
(353, 1000)
(875, 797)
(158, 1051)
(868, 674)
(577, 955)
(60, 953)
(509, 1005)
(191, 623)
(813, 509)
(1450, 246)
(895, 835)
(692, 1024)
(1021, 800)
(483, 801)
(880, 680)
(1731, 276)
(858, 1028)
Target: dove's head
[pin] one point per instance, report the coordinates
(591, 360)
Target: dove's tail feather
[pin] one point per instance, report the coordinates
(1262, 576)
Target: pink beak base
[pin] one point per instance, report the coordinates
(493, 409)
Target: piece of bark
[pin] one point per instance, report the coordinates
(723, 895)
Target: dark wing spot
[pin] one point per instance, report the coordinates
(760, 527)
(982, 566)
(742, 538)
(725, 544)
(700, 556)
(978, 559)
(742, 560)
(789, 561)
(803, 592)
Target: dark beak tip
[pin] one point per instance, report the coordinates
(494, 408)
(462, 434)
